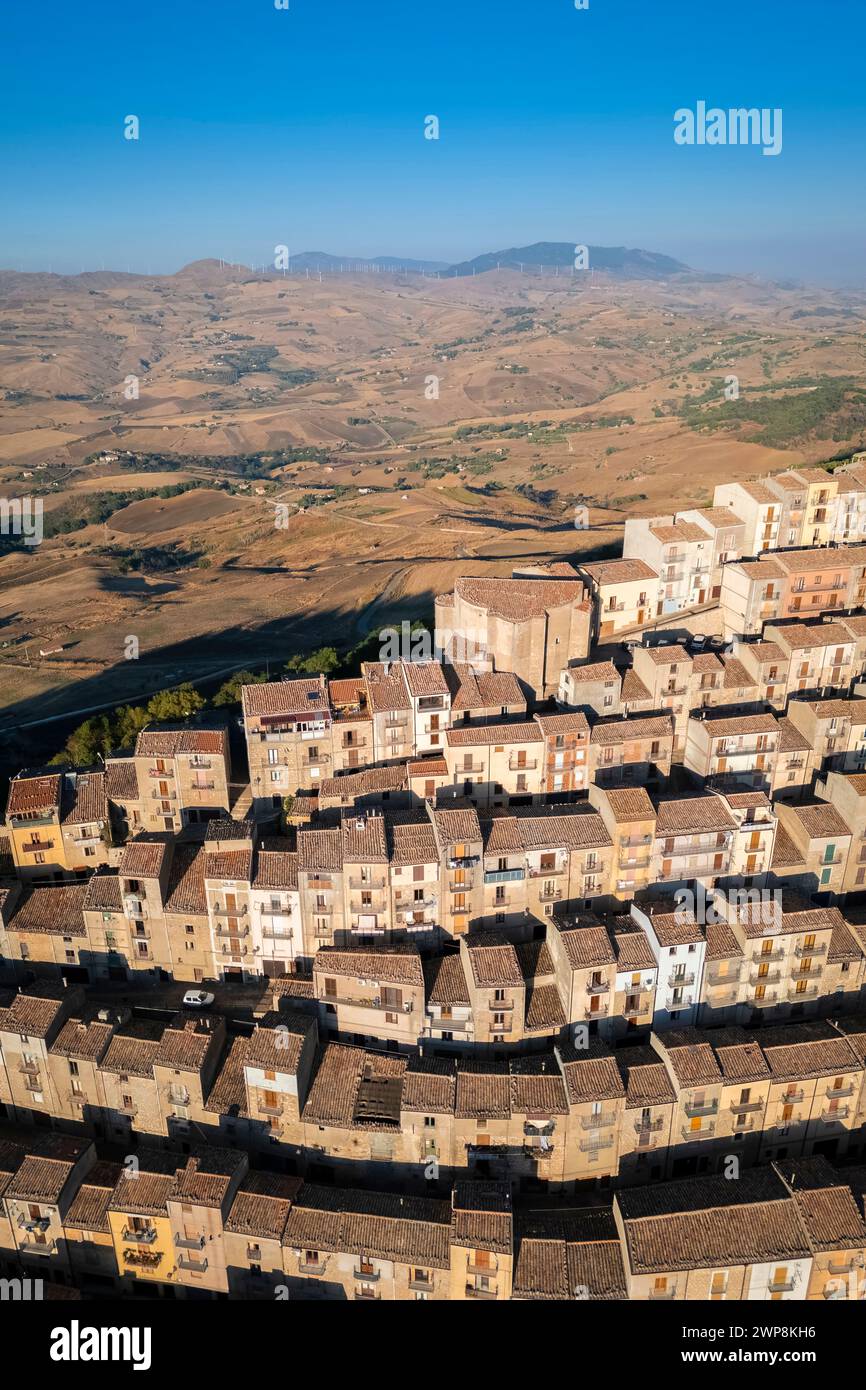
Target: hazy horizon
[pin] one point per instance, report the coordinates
(261, 127)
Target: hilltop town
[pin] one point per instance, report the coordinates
(570, 905)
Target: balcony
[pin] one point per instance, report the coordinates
(550, 895)
(29, 1068)
(783, 1285)
(235, 932)
(189, 1242)
(239, 911)
(162, 772)
(34, 846)
(316, 1267)
(798, 995)
(811, 950)
(499, 1006)
(375, 885)
(830, 1117)
(772, 977)
(683, 981)
(472, 1291)
(553, 872)
(369, 1276)
(421, 1285)
(763, 1001)
(37, 1247)
(599, 987)
(504, 875)
(655, 1294)
(163, 796)
(694, 1110)
(812, 972)
(362, 1296)
(270, 1109)
(201, 787)
(635, 1010)
(746, 1107)
(694, 1135)
(190, 1262)
(596, 1143)
(143, 1237)
(792, 1097)
(649, 1126)
(839, 1092)
(600, 1012)
(598, 1121)
(467, 767)
(528, 765)
(406, 1007)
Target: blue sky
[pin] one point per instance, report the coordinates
(305, 127)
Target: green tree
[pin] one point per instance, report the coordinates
(175, 704)
(229, 692)
(85, 743)
(129, 720)
(320, 662)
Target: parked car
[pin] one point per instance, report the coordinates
(198, 999)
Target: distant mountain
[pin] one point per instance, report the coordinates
(618, 260)
(323, 260)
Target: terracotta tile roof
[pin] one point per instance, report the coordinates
(31, 794)
(54, 911)
(32, 1013)
(693, 815)
(722, 944)
(380, 1225)
(84, 799)
(631, 948)
(711, 1223)
(678, 928)
(706, 662)
(412, 842)
(502, 836)
(691, 1057)
(630, 730)
(799, 636)
(425, 678)
(736, 675)
(444, 980)
(298, 697)
(278, 1041)
(103, 893)
(88, 1210)
(629, 804)
(493, 961)
(228, 1093)
(481, 1217)
(185, 1043)
(722, 725)
(395, 964)
(853, 709)
(720, 516)
(586, 943)
(148, 1193)
(591, 1074)
(483, 1091)
(233, 865)
(121, 780)
(363, 839)
(186, 894)
(537, 1087)
(276, 869)
(429, 1086)
(457, 826)
(645, 1078)
(791, 740)
(623, 571)
(427, 767)
(40, 1179)
(204, 1179)
(687, 531)
(142, 858)
(764, 653)
(168, 743)
(349, 786)
(492, 734)
(133, 1048)
(83, 1038)
(803, 1051)
(670, 655)
(591, 672)
(483, 689)
(386, 687)
(740, 1058)
(574, 723)
(535, 959)
(319, 851)
(821, 821)
(633, 689)
(261, 1205)
(569, 827)
(518, 600)
(544, 1010)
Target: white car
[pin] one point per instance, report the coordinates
(198, 999)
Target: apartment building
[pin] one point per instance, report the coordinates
(836, 731)
(725, 751)
(682, 555)
(594, 686)
(630, 819)
(533, 626)
(759, 509)
(694, 841)
(678, 945)
(818, 657)
(58, 824)
(184, 775)
(793, 584)
(823, 842)
(625, 595)
(846, 793)
(288, 736)
(727, 533)
(496, 764)
(369, 993)
(483, 695)
(631, 751)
